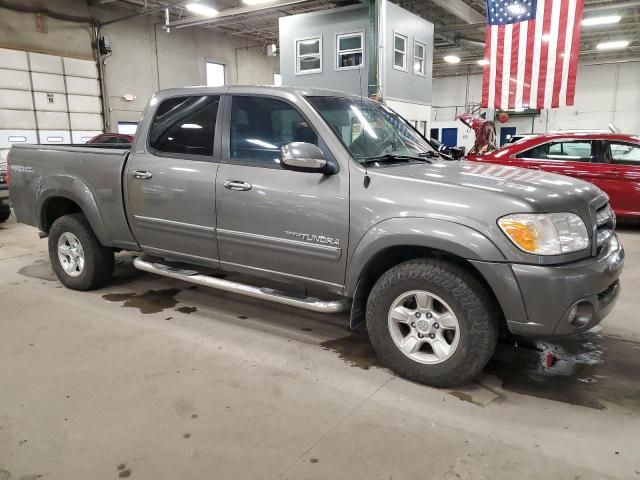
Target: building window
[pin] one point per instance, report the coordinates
(215, 74)
(419, 56)
(309, 55)
(350, 50)
(399, 52)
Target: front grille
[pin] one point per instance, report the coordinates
(605, 224)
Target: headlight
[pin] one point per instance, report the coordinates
(546, 233)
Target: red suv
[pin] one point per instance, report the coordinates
(610, 161)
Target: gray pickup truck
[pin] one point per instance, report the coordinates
(339, 196)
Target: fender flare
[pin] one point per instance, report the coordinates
(70, 188)
(449, 237)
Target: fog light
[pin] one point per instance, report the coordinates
(580, 314)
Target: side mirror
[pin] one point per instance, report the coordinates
(303, 157)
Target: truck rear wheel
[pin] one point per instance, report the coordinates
(432, 322)
(78, 258)
(4, 215)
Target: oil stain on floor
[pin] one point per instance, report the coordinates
(151, 301)
(589, 369)
(355, 349)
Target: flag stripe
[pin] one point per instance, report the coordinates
(485, 73)
(493, 66)
(567, 51)
(523, 54)
(535, 68)
(499, 65)
(573, 64)
(544, 54)
(562, 34)
(513, 75)
(506, 66)
(552, 52)
(526, 92)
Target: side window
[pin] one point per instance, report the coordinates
(261, 126)
(537, 153)
(571, 151)
(579, 151)
(625, 153)
(185, 125)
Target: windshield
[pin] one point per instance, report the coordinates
(370, 129)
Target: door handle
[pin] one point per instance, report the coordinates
(237, 185)
(141, 174)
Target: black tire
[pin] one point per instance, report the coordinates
(4, 215)
(465, 295)
(98, 260)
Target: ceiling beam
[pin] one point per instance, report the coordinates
(460, 9)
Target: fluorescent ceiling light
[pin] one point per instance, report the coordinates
(606, 20)
(256, 2)
(483, 62)
(202, 9)
(613, 45)
(451, 59)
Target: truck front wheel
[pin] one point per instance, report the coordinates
(432, 322)
(78, 258)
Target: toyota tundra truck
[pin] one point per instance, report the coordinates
(340, 196)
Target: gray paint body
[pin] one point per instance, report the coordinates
(184, 212)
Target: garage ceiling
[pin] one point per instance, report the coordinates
(459, 25)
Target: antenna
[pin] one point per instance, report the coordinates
(367, 179)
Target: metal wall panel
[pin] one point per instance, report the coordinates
(47, 82)
(54, 137)
(15, 79)
(17, 120)
(84, 136)
(80, 68)
(48, 98)
(53, 120)
(83, 86)
(9, 137)
(85, 121)
(14, 59)
(45, 63)
(50, 102)
(84, 104)
(16, 100)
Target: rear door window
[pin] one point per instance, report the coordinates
(185, 126)
(625, 153)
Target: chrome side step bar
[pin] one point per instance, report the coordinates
(191, 276)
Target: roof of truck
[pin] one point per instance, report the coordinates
(254, 89)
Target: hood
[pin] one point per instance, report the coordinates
(483, 191)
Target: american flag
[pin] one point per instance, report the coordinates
(532, 50)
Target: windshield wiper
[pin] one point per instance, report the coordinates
(422, 157)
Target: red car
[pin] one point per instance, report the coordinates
(112, 138)
(610, 161)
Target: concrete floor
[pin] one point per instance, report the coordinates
(155, 380)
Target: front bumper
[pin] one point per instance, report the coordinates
(550, 293)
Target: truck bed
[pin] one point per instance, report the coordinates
(90, 176)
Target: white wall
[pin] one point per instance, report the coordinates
(605, 94)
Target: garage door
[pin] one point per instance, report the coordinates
(47, 99)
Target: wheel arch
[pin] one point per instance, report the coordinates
(399, 240)
(62, 196)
